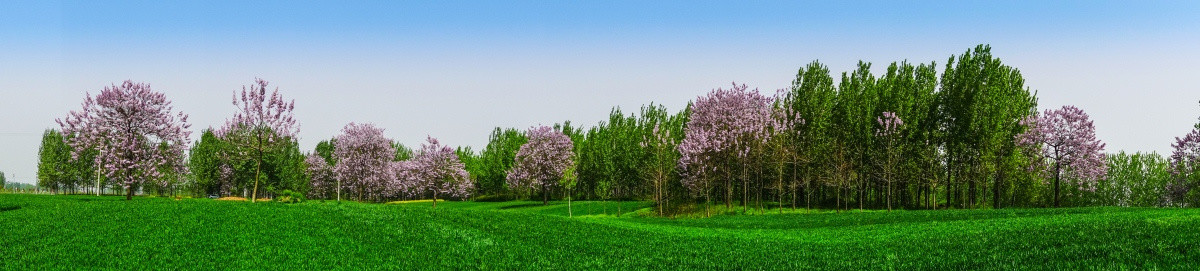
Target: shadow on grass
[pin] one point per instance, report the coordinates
(7, 208)
(525, 205)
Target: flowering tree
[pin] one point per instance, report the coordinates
(724, 125)
(321, 175)
(889, 131)
(542, 161)
(1064, 146)
(437, 169)
(1185, 166)
(261, 123)
(364, 158)
(133, 129)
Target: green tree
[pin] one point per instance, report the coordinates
(496, 159)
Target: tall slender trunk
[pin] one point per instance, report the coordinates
(996, 189)
(780, 191)
(129, 195)
(745, 188)
(257, 170)
(728, 189)
(545, 196)
(1056, 179)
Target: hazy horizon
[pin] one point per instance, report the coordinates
(456, 70)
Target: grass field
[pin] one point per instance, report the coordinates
(40, 232)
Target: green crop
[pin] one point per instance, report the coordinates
(87, 232)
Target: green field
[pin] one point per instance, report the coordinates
(88, 232)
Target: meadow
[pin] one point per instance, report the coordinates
(42, 232)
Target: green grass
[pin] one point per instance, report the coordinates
(87, 232)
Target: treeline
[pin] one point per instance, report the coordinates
(964, 134)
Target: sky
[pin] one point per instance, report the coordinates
(455, 70)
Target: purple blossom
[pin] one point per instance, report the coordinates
(722, 125)
(364, 158)
(134, 130)
(436, 169)
(258, 113)
(260, 123)
(1185, 166)
(1064, 145)
(321, 174)
(542, 161)
(889, 124)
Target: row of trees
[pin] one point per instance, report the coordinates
(968, 137)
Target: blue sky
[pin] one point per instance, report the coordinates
(456, 69)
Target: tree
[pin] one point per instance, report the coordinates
(321, 176)
(1135, 180)
(497, 159)
(980, 107)
(661, 165)
(542, 161)
(364, 158)
(402, 153)
(207, 160)
(812, 97)
(723, 128)
(261, 123)
(1185, 168)
(3, 180)
(53, 160)
(133, 129)
(325, 150)
(439, 171)
(889, 130)
(1065, 145)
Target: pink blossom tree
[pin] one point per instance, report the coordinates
(135, 132)
(405, 182)
(889, 132)
(260, 124)
(724, 126)
(438, 171)
(364, 158)
(1185, 167)
(542, 161)
(1064, 146)
(321, 174)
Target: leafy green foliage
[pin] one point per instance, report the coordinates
(496, 159)
(58, 170)
(1137, 179)
(289, 196)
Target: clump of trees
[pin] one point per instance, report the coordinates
(967, 135)
(262, 123)
(541, 162)
(138, 138)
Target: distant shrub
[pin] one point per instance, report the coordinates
(289, 196)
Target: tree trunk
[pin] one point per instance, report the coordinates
(780, 191)
(728, 190)
(1056, 179)
(745, 188)
(257, 171)
(129, 195)
(545, 196)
